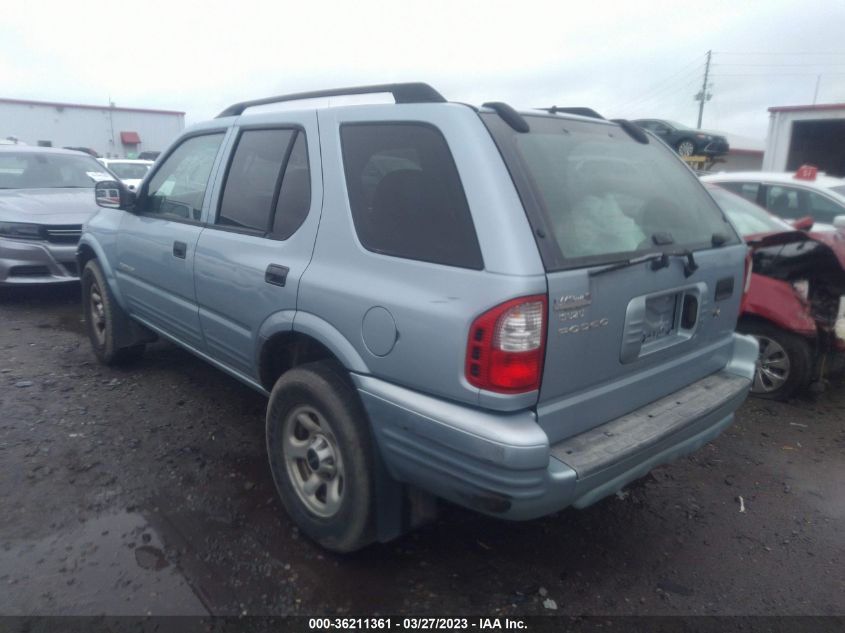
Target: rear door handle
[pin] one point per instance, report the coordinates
(180, 250)
(276, 275)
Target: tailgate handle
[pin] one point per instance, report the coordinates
(180, 250)
(276, 275)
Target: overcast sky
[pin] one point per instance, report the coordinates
(625, 59)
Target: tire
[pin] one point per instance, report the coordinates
(785, 364)
(103, 315)
(321, 456)
(685, 147)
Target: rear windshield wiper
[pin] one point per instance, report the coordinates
(658, 261)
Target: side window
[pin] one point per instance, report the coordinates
(253, 178)
(268, 185)
(783, 202)
(747, 190)
(822, 209)
(178, 188)
(406, 195)
(295, 194)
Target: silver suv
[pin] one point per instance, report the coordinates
(516, 312)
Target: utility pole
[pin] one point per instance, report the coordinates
(703, 96)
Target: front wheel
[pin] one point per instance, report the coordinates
(103, 315)
(784, 365)
(321, 458)
(686, 147)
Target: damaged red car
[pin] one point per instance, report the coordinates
(795, 302)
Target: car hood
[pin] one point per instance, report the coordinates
(833, 239)
(791, 255)
(47, 206)
(775, 238)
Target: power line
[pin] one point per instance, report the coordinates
(658, 96)
(813, 65)
(777, 74)
(784, 54)
(659, 86)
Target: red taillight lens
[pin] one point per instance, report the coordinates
(748, 266)
(506, 346)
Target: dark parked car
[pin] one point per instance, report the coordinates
(148, 155)
(794, 305)
(685, 140)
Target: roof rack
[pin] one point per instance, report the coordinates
(633, 130)
(588, 112)
(416, 92)
(508, 115)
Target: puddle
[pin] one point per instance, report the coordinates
(113, 564)
(149, 557)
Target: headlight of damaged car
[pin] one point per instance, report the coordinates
(20, 230)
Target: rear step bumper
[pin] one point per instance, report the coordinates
(503, 465)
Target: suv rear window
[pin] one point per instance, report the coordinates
(406, 195)
(599, 196)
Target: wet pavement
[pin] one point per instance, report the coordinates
(146, 491)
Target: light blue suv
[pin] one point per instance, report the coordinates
(516, 312)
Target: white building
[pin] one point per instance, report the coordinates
(111, 131)
(809, 134)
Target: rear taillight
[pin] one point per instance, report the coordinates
(748, 269)
(506, 346)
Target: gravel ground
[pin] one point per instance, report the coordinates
(146, 490)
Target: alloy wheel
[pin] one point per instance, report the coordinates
(772, 366)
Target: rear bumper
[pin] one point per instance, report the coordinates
(503, 465)
(25, 262)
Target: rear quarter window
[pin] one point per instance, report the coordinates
(406, 195)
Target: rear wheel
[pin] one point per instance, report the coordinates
(103, 315)
(321, 456)
(784, 365)
(685, 147)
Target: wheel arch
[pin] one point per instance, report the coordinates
(288, 339)
(87, 250)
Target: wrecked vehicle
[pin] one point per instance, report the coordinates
(794, 305)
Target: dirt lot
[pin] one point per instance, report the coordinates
(147, 491)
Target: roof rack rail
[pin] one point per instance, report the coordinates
(588, 112)
(633, 130)
(508, 115)
(416, 92)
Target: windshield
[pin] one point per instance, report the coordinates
(678, 126)
(43, 170)
(129, 171)
(604, 197)
(746, 216)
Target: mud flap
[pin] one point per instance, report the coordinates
(399, 508)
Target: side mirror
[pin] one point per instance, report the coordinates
(839, 221)
(111, 194)
(803, 224)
